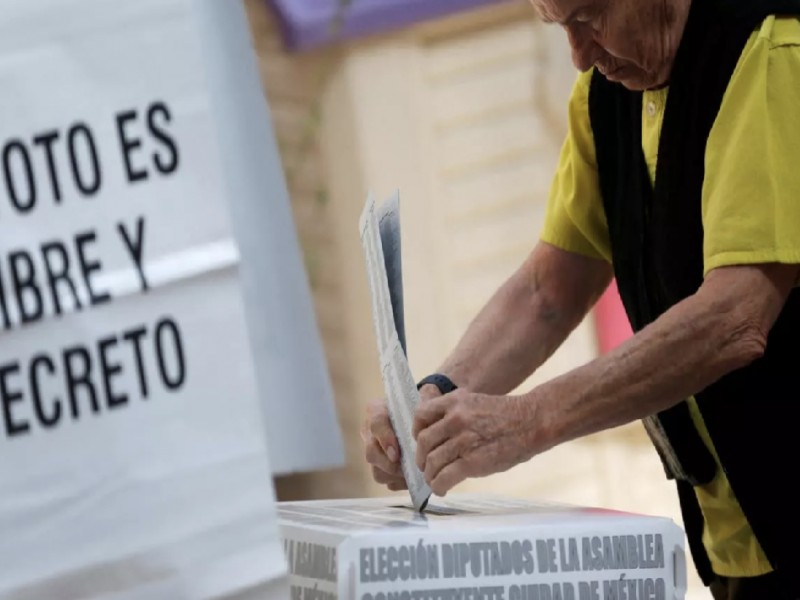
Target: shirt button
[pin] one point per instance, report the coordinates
(651, 108)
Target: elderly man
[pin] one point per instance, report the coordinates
(680, 176)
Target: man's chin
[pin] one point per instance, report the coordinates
(632, 79)
(637, 84)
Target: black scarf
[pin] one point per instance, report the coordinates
(657, 247)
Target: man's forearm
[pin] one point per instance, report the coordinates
(689, 347)
(526, 320)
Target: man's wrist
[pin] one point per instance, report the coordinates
(442, 382)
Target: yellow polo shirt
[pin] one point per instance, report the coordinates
(750, 212)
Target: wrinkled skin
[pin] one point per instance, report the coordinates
(459, 435)
(630, 41)
(527, 319)
(464, 434)
(381, 448)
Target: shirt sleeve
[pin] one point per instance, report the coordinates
(751, 192)
(575, 219)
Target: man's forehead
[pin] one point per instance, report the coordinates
(557, 11)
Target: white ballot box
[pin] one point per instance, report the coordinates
(478, 548)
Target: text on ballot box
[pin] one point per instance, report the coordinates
(133, 450)
(479, 548)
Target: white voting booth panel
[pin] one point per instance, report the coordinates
(478, 548)
(295, 388)
(132, 432)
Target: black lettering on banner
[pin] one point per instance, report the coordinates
(135, 336)
(135, 247)
(169, 163)
(53, 418)
(177, 379)
(129, 145)
(58, 273)
(45, 140)
(75, 133)
(110, 370)
(3, 305)
(79, 378)
(81, 381)
(8, 397)
(23, 204)
(23, 276)
(89, 266)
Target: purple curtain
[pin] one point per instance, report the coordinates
(308, 24)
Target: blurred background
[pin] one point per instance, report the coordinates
(461, 107)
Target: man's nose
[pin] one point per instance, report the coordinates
(585, 50)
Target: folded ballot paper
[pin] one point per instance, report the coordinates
(478, 548)
(380, 239)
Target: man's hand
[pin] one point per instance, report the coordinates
(382, 450)
(464, 434)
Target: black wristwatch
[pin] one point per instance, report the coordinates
(443, 382)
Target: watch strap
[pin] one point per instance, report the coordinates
(443, 382)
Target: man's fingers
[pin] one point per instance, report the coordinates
(378, 459)
(450, 476)
(381, 429)
(392, 481)
(381, 446)
(429, 392)
(440, 457)
(430, 438)
(381, 476)
(429, 412)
